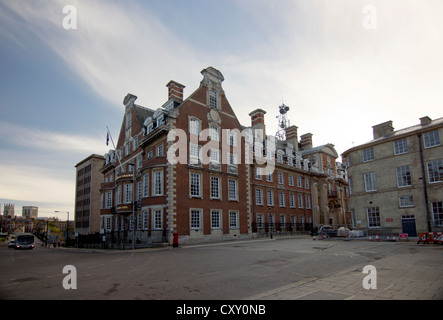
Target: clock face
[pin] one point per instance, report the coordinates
(214, 115)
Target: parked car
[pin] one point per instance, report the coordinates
(327, 230)
(11, 244)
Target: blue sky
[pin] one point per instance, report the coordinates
(59, 89)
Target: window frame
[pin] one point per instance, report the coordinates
(368, 154)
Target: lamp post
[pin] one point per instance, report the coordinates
(132, 164)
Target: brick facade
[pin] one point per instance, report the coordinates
(210, 192)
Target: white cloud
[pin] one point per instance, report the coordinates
(40, 140)
(35, 184)
(118, 47)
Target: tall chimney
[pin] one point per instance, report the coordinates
(175, 90)
(425, 120)
(258, 121)
(306, 141)
(382, 129)
(291, 136)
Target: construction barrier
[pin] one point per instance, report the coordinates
(391, 239)
(403, 236)
(439, 240)
(429, 237)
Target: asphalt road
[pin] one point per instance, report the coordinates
(232, 270)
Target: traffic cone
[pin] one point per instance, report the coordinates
(393, 238)
(370, 238)
(376, 237)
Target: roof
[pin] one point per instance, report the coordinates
(141, 113)
(401, 133)
(97, 156)
(323, 148)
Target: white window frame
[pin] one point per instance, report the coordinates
(157, 183)
(401, 146)
(233, 219)
(215, 187)
(194, 153)
(160, 150)
(299, 182)
(291, 180)
(300, 201)
(195, 219)
(233, 193)
(370, 179)
(308, 201)
(368, 154)
(216, 216)
(119, 194)
(195, 187)
(108, 204)
(259, 197)
(431, 139)
(281, 199)
(437, 211)
(145, 185)
(259, 220)
(128, 193)
(291, 200)
(145, 220)
(194, 126)
(157, 219)
(435, 175)
(280, 178)
(214, 132)
(270, 197)
(404, 178)
(406, 201)
(373, 216)
(307, 183)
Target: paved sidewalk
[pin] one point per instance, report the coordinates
(417, 276)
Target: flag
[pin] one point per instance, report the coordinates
(107, 139)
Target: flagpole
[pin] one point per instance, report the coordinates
(115, 150)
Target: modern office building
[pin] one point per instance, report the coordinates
(87, 194)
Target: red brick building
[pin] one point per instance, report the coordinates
(186, 169)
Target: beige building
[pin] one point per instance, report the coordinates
(30, 211)
(87, 194)
(396, 179)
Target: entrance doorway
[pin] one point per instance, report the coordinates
(408, 225)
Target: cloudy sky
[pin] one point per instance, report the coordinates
(342, 66)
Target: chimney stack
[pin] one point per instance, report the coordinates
(425, 120)
(291, 136)
(382, 129)
(306, 141)
(175, 91)
(258, 121)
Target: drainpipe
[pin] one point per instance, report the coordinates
(425, 188)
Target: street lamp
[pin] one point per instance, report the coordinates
(132, 164)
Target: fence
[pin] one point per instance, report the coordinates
(267, 228)
(121, 239)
